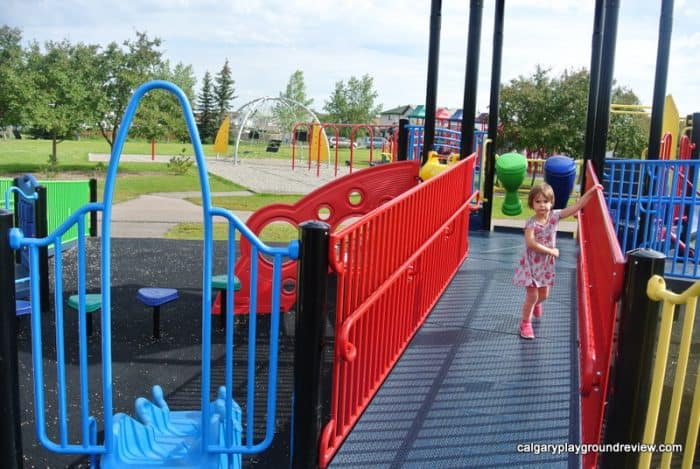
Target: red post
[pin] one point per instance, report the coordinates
(153, 149)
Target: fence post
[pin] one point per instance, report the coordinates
(635, 353)
(10, 430)
(93, 214)
(309, 342)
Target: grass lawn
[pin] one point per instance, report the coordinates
(277, 232)
(249, 203)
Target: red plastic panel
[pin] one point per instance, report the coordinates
(338, 201)
(392, 266)
(601, 259)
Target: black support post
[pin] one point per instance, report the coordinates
(488, 170)
(635, 353)
(695, 135)
(311, 315)
(10, 415)
(471, 77)
(402, 153)
(42, 230)
(660, 77)
(593, 85)
(432, 81)
(603, 95)
(93, 214)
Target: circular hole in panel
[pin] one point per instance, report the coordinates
(355, 197)
(278, 233)
(289, 285)
(324, 212)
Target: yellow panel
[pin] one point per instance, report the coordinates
(315, 147)
(670, 124)
(221, 140)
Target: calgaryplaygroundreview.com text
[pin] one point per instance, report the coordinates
(549, 448)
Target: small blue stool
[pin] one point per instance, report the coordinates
(93, 302)
(156, 297)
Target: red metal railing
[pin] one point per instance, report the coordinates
(391, 268)
(666, 146)
(685, 148)
(601, 259)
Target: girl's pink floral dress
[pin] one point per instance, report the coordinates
(535, 269)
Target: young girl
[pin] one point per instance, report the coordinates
(535, 271)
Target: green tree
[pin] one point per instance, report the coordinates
(12, 81)
(61, 80)
(121, 71)
(354, 102)
(160, 116)
(628, 134)
(545, 115)
(206, 109)
(287, 113)
(224, 91)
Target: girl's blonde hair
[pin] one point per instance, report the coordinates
(542, 188)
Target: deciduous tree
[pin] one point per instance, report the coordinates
(353, 102)
(545, 115)
(288, 113)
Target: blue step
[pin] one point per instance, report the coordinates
(170, 439)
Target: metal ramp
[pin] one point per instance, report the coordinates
(468, 390)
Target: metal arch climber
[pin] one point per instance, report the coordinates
(253, 106)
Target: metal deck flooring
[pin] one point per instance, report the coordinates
(468, 390)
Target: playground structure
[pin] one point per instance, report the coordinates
(231, 427)
(601, 260)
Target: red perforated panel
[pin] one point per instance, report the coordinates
(341, 200)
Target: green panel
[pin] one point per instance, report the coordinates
(5, 183)
(63, 198)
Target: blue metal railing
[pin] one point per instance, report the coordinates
(655, 204)
(446, 141)
(88, 425)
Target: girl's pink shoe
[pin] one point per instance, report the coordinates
(537, 310)
(526, 331)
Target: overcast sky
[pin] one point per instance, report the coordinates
(332, 40)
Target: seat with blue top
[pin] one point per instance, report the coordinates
(155, 297)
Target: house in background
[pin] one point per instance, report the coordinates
(392, 116)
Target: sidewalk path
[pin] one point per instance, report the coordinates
(153, 215)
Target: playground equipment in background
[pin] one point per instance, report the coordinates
(560, 173)
(252, 108)
(221, 139)
(511, 169)
(436, 164)
(318, 143)
(213, 435)
(669, 122)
